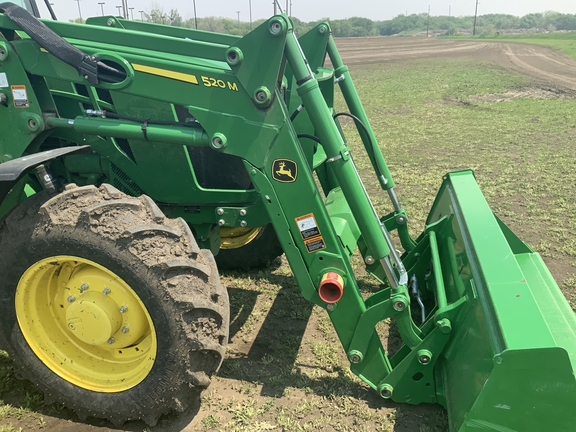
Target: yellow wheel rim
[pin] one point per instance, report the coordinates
(85, 324)
(233, 238)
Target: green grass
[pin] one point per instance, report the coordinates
(565, 42)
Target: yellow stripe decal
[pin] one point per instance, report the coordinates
(166, 73)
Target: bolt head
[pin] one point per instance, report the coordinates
(369, 260)
(232, 56)
(221, 222)
(399, 305)
(242, 212)
(71, 299)
(217, 142)
(331, 306)
(243, 224)
(220, 211)
(260, 96)
(275, 27)
(386, 394)
(355, 358)
(401, 220)
(424, 359)
(322, 30)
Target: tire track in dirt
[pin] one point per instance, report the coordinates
(544, 65)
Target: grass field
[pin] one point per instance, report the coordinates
(285, 370)
(565, 42)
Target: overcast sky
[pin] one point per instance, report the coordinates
(310, 10)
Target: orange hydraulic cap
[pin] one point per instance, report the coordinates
(331, 287)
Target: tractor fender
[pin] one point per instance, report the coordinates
(14, 170)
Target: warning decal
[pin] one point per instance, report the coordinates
(315, 244)
(307, 226)
(310, 233)
(20, 96)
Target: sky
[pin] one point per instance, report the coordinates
(311, 10)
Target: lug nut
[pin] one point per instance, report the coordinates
(71, 299)
(125, 329)
(83, 287)
(106, 291)
(111, 341)
(123, 309)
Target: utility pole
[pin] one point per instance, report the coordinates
(238, 12)
(275, 7)
(428, 23)
(475, 15)
(132, 13)
(118, 7)
(125, 9)
(102, 7)
(79, 11)
(195, 17)
(141, 16)
(250, 7)
(449, 15)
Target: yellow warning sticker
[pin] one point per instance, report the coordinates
(310, 233)
(20, 96)
(315, 244)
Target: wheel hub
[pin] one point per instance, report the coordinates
(85, 323)
(94, 318)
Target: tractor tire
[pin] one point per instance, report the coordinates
(258, 252)
(109, 307)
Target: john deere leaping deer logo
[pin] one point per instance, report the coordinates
(284, 170)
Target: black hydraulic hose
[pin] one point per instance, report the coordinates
(371, 143)
(311, 137)
(89, 67)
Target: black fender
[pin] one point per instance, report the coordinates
(14, 170)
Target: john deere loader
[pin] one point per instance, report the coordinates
(132, 153)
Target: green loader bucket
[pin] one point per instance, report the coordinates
(509, 364)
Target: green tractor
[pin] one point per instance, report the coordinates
(137, 152)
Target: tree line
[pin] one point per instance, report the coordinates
(401, 24)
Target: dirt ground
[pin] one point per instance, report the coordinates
(544, 65)
(554, 73)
